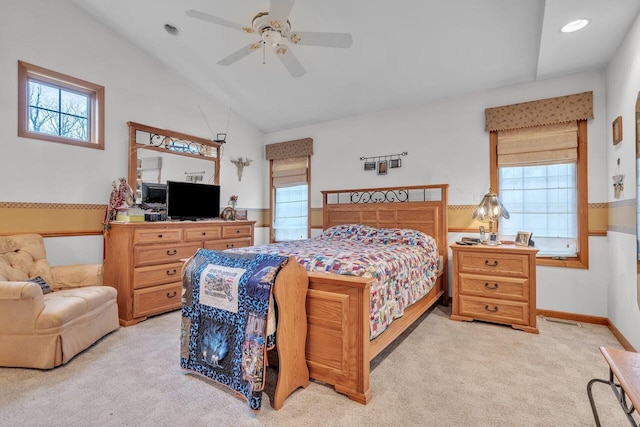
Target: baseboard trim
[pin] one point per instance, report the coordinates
(596, 320)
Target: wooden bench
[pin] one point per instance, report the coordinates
(625, 367)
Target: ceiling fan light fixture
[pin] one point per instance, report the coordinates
(574, 26)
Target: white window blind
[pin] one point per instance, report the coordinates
(291, 213)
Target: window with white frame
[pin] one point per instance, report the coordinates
(59, 108)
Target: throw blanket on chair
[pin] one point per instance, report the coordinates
(225, 303)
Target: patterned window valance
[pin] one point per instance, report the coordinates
(542, 112)
(289, 149)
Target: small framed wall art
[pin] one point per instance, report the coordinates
(616, 128)
(382, 167)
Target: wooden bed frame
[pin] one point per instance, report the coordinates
(338, 348)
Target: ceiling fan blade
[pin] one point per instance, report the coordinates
(279, 13)
(321, 39)
(219, 21)
(290, 62)
(239, 54)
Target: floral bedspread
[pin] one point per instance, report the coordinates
(404, 263)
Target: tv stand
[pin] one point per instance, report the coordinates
(144, 260)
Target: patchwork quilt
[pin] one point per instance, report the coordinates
(403, 262)
(225, 304)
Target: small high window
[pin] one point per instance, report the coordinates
(59, 108)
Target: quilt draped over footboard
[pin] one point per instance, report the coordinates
(225, 304)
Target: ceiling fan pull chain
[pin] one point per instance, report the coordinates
(264, 53)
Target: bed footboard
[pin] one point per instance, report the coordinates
(337, 348)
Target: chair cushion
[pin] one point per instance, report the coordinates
(63, 306)
(23, 257)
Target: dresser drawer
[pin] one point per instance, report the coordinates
(231, 231)
(199, 234)
(143, 277)
(494, 310)
(157, 235)
(494, 287)
(494, 263)
(161, 254)
(227, 244)
(157, 299)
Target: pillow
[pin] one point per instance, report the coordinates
(40, 281)
(348, 232)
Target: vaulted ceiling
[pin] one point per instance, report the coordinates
(403, 51)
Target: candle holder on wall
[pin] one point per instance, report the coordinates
(383, 163)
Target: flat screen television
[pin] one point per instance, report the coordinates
(190, 201)
(154, 193)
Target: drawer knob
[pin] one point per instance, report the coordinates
(495, 308)
(173, 295)
(204, 233)
(494, 264)
(229, 245)
(172, 252)
(237, 231)
(159, 236)
(172, 273)
(486, 285)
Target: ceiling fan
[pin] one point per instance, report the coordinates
(274, 28)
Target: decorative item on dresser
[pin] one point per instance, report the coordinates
(495, 284)
(491, 209)
(144, 260)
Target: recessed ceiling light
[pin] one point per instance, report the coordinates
(172, 29)
(574, 26)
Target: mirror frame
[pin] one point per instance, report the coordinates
(170, 142)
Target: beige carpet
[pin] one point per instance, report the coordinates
(440, 373)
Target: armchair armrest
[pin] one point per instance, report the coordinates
(77, 275)
(20, 304)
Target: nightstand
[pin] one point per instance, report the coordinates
(495, 284)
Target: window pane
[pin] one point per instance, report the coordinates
(74, 103)
(291, 209)
(543, 200)
(56, 111)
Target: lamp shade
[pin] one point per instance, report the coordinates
(490, 208)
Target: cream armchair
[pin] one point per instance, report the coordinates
(46, 330)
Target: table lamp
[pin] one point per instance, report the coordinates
(490, 209)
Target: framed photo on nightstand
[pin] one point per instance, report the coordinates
(522, 238)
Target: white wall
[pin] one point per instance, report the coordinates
(56, 35)
(622, 86)
(447, 143)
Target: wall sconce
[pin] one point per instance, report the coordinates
(240, 164)
(491, 209)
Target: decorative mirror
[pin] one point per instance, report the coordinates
(161, 155)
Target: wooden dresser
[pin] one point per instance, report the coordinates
(495, 284)
(143, 261)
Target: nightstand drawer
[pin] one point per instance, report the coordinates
(494, 263)
(494, 310)
(494, 287)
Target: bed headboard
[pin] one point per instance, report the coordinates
(420, 207)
